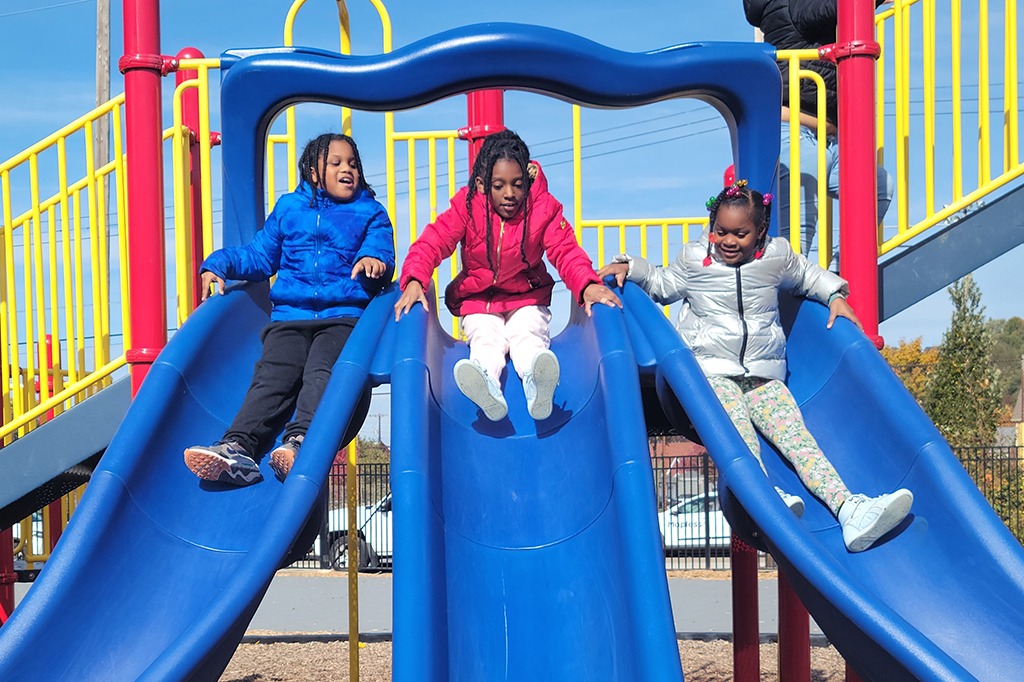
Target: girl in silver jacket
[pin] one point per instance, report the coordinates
(729, 283)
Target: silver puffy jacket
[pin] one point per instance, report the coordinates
(730, 314)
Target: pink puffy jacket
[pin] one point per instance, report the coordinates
(516, 281)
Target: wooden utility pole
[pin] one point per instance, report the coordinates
(101, 133)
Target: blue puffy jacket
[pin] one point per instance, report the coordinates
(312, 250)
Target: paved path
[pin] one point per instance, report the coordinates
(301, 602)
(315, 601)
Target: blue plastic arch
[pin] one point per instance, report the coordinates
(257, 85)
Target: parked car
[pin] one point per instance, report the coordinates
(374, 524)
(694, 524)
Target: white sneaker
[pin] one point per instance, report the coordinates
(539, 385)
(865, 519)
(482, 389)
(795, 503)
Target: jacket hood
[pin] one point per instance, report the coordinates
(540, 183)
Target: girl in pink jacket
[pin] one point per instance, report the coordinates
(506, 221)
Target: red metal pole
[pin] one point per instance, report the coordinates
(746, 636)
(190, 117)
(855, 52)
(143, 67)
(7, 575)
(485, 112)
(794, 635)
(53, 515)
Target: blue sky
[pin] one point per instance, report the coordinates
(661, 160)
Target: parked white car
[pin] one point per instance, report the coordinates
(374, 526)
(694, 524)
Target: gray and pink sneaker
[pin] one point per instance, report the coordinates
(224, 463)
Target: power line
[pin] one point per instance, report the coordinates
(43, 9)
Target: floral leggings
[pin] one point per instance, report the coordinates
(769, 405)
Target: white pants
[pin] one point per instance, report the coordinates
(521, 334)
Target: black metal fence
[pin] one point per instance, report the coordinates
(696, 535)
(999, 474)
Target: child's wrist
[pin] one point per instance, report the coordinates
(625, 259)
(837, 295)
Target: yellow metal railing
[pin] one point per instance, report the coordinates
(56, 332)
(794, 58)
(930, 172)
(180, 136)
(432, 140)
(939, 164)
(630, 234)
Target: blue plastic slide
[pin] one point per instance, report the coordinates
(159, 573)
(526, 550)
(941, 597)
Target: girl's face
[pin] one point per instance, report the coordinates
(736, 236)
(507, 192)
(341, 172)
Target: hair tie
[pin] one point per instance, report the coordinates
(710, 203)
(766, 199)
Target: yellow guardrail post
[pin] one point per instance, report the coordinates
(352, 496)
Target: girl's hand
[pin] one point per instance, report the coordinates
(840, 308)
(620, 270)
(370, 266)
(206, 280)
(599, 293)
(413, 293)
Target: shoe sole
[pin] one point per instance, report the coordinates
(545, 378)
(797, 507)
(281, 461)
(886, 521)
(210, 466)
(474, 386)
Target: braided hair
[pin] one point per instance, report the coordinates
(506, 145)
(314, 156)
(758, 206)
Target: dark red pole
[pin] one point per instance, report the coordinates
(190, 118)
(7, 575)
(485, 112)
(143, 67)
(53, 517)
(746, 636)
(794, 635)
(855, 53)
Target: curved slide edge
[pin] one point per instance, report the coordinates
(158, 574)
(889, 610)
(523, 549)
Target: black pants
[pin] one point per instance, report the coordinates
(292, 374)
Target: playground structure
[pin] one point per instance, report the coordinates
(422, 489)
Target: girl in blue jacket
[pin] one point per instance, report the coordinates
(331, 245)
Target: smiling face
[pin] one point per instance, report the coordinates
(341, 172)
(736, 236)
(507, 192)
